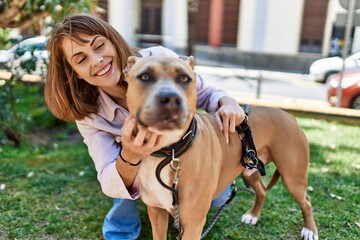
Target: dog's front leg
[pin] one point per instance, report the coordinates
(159, 222)
(193, 219)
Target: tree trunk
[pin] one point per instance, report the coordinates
(192, 11)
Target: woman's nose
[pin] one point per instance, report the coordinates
(98, 60)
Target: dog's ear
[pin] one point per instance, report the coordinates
(130, 62)
(191, 61)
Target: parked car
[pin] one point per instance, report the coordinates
(29, 53)
(350, 85)
(322, 69)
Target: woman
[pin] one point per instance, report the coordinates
(85, 84)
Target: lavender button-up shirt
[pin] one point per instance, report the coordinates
(101, 132)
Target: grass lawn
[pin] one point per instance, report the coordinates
(49, 188)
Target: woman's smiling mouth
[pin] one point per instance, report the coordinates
(104, 70)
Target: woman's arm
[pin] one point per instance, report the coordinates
(104, 151)
(135, 148)
(117, 174)
(228, 111)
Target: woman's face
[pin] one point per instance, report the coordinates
(94, 61)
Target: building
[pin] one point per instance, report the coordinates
(272, 34)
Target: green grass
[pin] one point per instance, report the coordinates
(334, 169)
(46, 198)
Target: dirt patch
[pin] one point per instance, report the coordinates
(42, 137)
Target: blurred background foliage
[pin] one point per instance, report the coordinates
(21, 19)
(23, 14)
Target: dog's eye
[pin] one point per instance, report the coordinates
(184, 78)
(144, 77)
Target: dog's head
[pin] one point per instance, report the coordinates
(161, 92)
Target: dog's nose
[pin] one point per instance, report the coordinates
(169, 99)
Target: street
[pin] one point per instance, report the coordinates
(275, 86)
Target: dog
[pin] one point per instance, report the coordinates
(161, 95)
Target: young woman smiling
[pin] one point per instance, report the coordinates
(85, 84)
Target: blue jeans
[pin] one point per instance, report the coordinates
(123, 220)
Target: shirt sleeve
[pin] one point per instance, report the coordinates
(104, 151)
(208, 97)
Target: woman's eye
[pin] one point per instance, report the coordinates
(100, 46)
(81, 60)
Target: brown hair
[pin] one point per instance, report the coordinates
(67, 97)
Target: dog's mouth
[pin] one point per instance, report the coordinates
(162, 121)
(168, 122)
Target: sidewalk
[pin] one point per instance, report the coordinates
(318, 109)
(312, 109)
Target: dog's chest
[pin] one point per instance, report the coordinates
(152, 192)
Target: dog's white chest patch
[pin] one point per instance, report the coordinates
(152, 192)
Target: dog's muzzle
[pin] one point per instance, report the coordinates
(169, 101)
(166, 111)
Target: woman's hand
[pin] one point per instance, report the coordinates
(229, 115)
(136, 147)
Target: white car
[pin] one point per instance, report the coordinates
(322, 69)
(11, 59)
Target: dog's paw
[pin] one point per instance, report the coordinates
(307, 234)
(247, 218)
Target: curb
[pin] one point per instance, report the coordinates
(331, 114)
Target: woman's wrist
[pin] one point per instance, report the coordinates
(130, 163)
(225, 100)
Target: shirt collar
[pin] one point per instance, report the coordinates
(107, 106)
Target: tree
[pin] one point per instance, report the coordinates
(193, 8)
(22, 14)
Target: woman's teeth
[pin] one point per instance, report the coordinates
(105, 70)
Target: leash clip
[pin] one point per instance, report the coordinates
(175, 162)
(175, 166)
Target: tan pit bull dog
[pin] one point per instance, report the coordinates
(197, 164)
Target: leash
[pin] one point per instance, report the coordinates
(249, 157)
(172, 155)
(221, 209)
(234, 190)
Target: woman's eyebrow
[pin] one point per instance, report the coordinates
(91, 44)
(74, 55)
